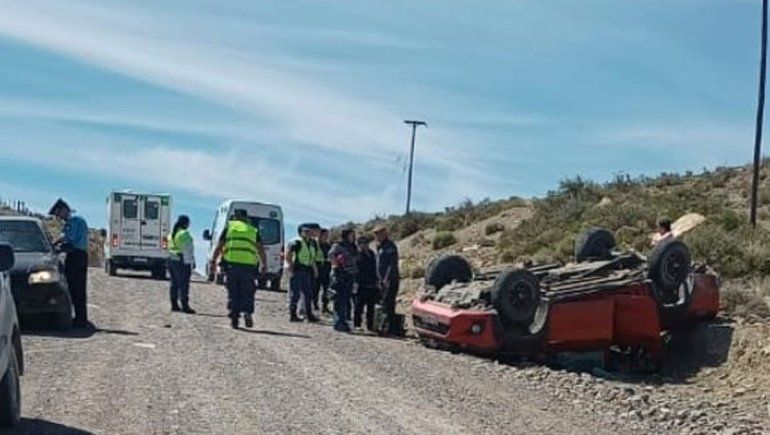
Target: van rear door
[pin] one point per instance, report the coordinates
(151, 222)
(130, 233)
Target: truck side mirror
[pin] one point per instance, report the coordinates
(207, 235)
(7, 258)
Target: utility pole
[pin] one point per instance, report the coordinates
(414, 125)
(760, 117)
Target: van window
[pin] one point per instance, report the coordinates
(130, 209)
(269, 230)
(151, 210)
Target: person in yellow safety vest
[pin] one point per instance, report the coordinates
(181, 262)
(301, 263)
(244, 256)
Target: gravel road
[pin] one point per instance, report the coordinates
(149, 371)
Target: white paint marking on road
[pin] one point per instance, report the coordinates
(145, 345)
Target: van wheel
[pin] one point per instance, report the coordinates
(261, 283)
(10, 393)
(159, 273)
(275, 283)
(112, 270)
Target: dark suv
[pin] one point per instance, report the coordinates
(37, 279)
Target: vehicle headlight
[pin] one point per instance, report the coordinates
(44, 277)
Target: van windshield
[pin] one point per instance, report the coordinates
(269, 230)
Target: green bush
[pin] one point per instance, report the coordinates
(443, 239)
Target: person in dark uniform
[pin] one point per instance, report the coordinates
(368, 291)
(244, 256)
(321, 289)
(301, 263)
(343, 277)
(388, 276)
(74, 242)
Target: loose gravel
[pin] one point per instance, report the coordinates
(149, 371)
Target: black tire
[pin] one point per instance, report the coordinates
(10, 393)
(444, 269)
(159, 273)
(668, 267)
(594, 243)
(275, 283)
(261, 283)
(516, 296)
(62, 321)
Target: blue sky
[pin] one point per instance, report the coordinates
(301, 102)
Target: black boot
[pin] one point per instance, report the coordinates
(293, 315)
(175, 306)
(186, 308)
(234, 320)
(312, 318)
(248, 320)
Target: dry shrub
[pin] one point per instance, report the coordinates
(746, 298)
(443, 239)
(493, 228)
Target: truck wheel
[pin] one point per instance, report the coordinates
(444, 269)
(10, 393)
(516, 295)
(594, 243)
(668, 267)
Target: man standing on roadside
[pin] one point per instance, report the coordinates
(388, 276)
(74, 242)
(300, 258)
(243, 256)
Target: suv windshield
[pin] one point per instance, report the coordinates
(269, 230)
(23, 236)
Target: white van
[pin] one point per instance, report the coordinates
(137, 226)
(268, 219)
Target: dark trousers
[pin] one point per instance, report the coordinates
(342, 285)
(300, 287)
(179, 290)
(389, 306)
(321, 288)
(76, 270)
(240, 289)
(365, 301)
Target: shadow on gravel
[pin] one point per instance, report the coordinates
(30, 426)
(76, 333)
(707, 345)
(211, 315)
(275, 333)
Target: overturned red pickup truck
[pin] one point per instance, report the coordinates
(617, 302)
